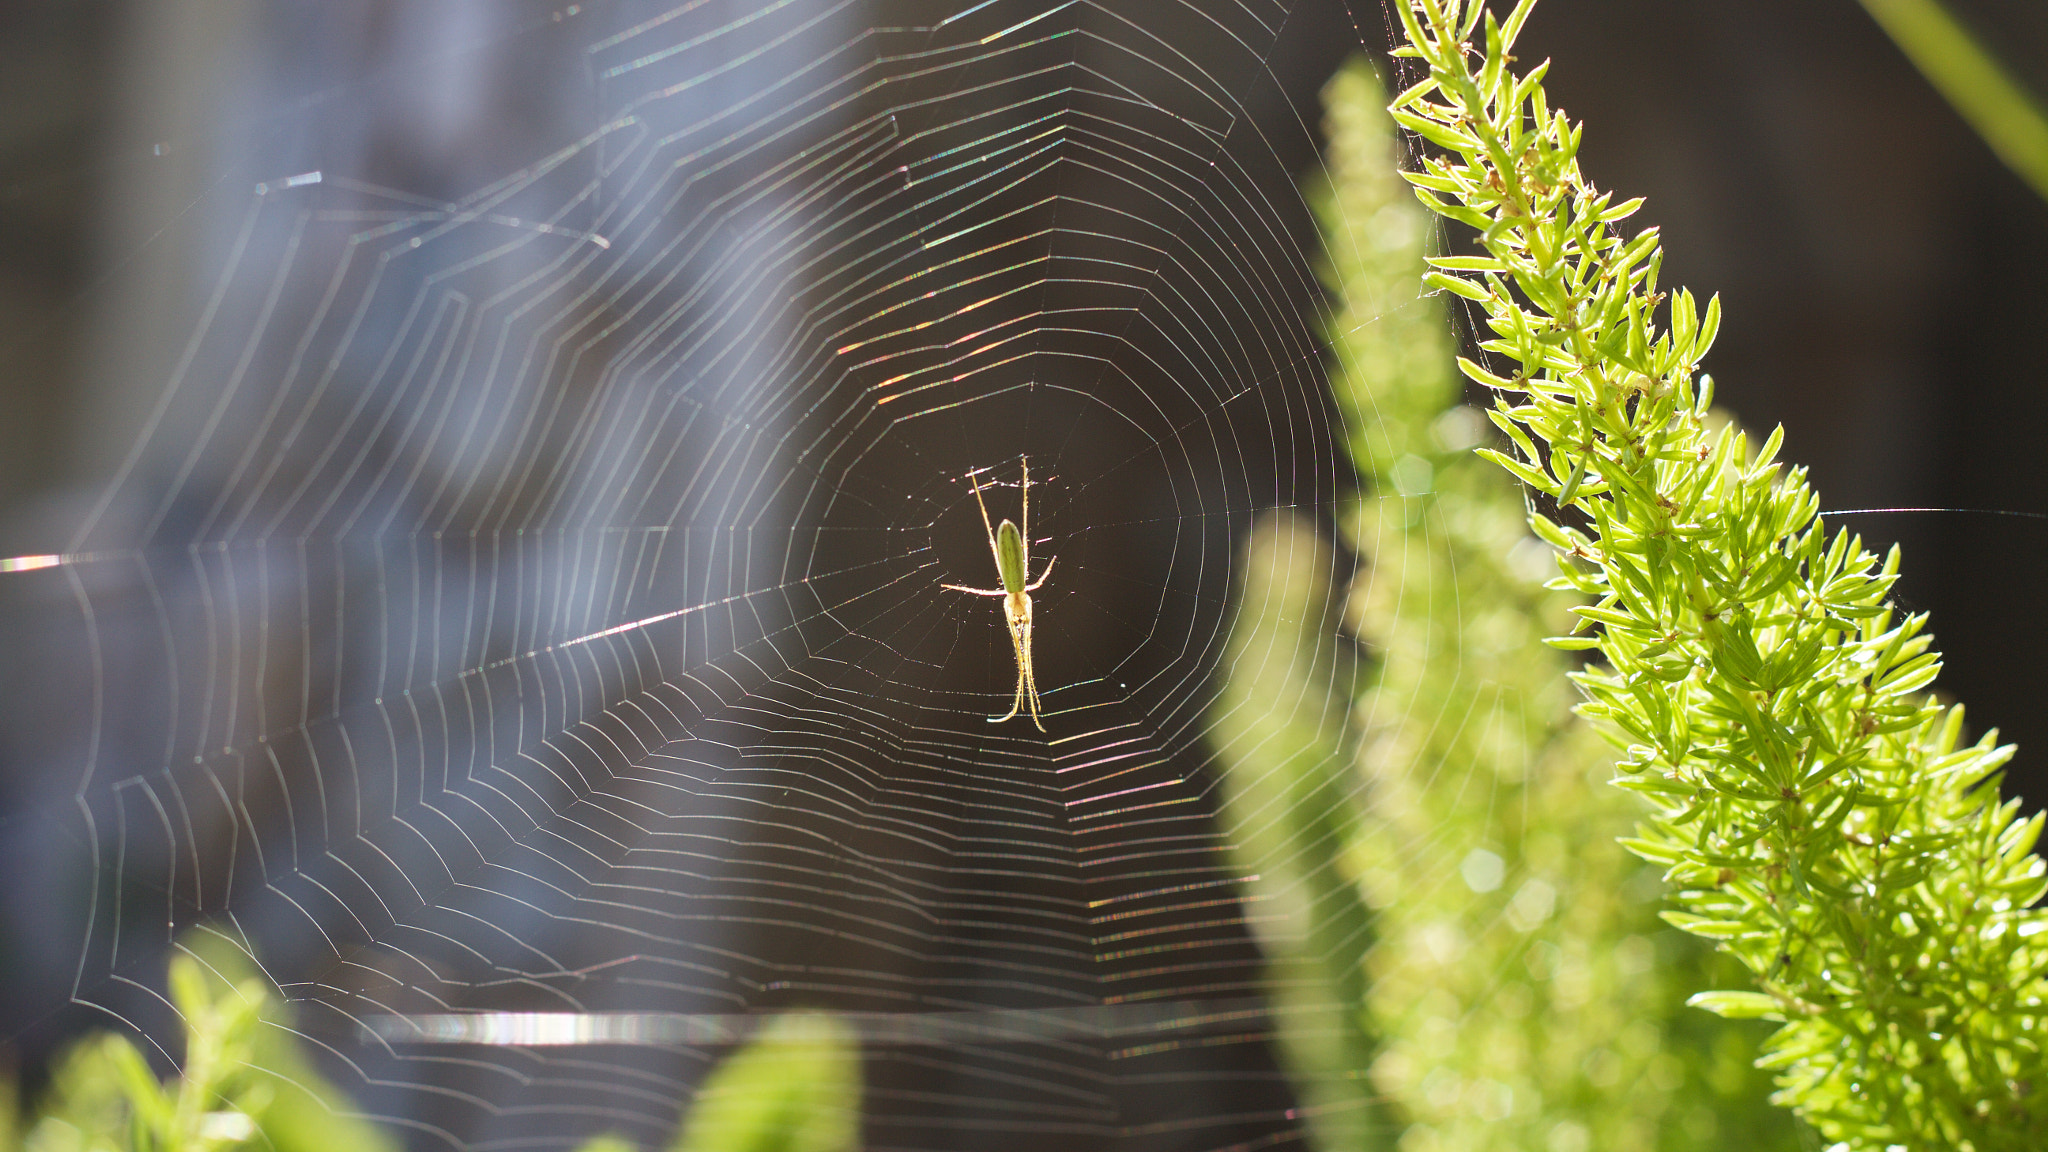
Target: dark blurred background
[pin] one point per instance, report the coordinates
(1881, 278)
(1880, 270)
(1883, 273)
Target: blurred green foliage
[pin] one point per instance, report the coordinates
(244, 1082)
(1521, 992)
(2005, 114)
(1281, 727)
(795, 1087)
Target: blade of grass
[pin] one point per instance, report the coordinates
(1990, 100)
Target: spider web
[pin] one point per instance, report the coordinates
(518, 618)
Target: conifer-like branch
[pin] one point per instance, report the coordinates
(1522, 989)
(1812, 803)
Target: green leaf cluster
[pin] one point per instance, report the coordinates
(1820, 815)
(244, 1080)
(1522, 990)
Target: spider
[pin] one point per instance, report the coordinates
(1012, 550)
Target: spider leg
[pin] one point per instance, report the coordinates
(1028, 675)
(976, 591)
(1026, 462)
(987, 527)
(1020, 642)
(1033, 586)
(1015, 704)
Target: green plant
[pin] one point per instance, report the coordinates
(1817, 810)
(243, 1082)
(1528, 994)
(1519, 990)
(1284, 742)
(795, 1087)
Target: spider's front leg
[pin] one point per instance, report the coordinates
(1042, 577)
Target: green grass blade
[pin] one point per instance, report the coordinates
(1989, 99)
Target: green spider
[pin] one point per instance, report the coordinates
(1012, 549)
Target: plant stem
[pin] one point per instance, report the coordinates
(2009, 119)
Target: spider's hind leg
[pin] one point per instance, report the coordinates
(1016, 705)
(1020, 647)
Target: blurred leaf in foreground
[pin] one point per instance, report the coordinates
(244, 1080)
(795, 1087)
(1281, 731)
